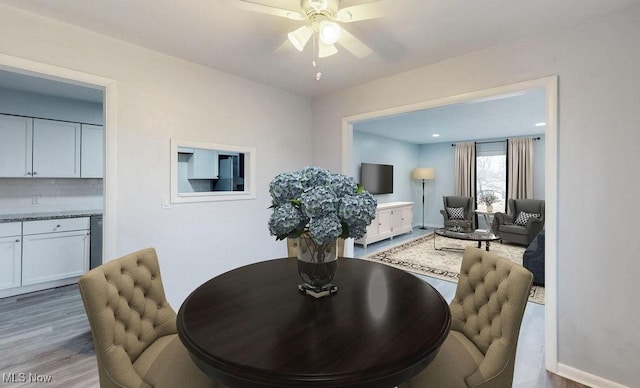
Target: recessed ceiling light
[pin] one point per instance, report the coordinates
(540, 124)
(435, 135)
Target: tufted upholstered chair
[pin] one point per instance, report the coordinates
(134, 328)
(486, 313)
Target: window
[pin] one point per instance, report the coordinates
(211, 172)
(491, 173)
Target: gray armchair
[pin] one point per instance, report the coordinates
(467, 220)
(512, 227)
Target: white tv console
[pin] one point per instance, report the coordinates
(392, 219)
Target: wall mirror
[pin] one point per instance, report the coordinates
(203, 172)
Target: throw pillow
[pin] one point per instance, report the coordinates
(455, 213)
(523, 217)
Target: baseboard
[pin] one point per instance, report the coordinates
(585, 378)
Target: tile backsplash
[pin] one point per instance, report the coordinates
(52, 194)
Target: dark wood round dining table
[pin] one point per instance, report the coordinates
(251, 327)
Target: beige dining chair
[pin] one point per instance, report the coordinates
(134, 328)
(486, 314)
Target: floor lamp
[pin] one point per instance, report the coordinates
(424, 173)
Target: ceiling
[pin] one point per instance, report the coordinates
(509, 115)
(50, 87)
(413, 33)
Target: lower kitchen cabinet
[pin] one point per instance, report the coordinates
(54, 249)
(10, 254)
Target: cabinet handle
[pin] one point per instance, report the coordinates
(17, 240)
(34, 173)
(28, 173)
(57, 226)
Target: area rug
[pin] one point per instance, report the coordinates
(418, 255)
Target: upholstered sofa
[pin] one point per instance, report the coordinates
(533, 259)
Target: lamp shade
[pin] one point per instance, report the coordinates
(423, 173)
(326, 50)
(300, 37)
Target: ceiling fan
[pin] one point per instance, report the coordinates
(322, 24)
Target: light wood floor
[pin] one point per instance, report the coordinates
(47, 333)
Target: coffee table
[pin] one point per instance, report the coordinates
(479, 235)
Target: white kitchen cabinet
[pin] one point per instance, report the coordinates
(54, 249)
(10, 254)
(392, 219)
(56, 149)
(15, 146)
(43, 148)
(92, 151)
(203, 164)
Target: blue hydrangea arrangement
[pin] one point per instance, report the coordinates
(320, 203)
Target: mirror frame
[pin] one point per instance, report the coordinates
(211, 196)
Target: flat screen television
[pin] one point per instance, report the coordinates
(377, 178)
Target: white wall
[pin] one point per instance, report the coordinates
(598, 139)
(159, 97)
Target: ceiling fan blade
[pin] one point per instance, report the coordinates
(354, 45)
(326, 50)
(258, 7)
(360, 12)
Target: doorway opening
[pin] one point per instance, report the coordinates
(35, 77)
(550, 87)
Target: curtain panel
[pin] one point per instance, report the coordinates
(520, 168)
(465, 169)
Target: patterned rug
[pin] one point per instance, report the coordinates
(418, 255)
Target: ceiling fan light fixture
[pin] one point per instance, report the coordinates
(326, 50)
(329, 32)
(344, 15)
(318, 5)
(300, 37)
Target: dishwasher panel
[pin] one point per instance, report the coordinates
(95, 250)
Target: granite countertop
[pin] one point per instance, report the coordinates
(49, 215)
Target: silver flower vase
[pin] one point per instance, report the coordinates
(317, 265)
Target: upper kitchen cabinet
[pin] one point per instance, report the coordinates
(56, 149)
(15, 146)
(42, 148)
(92, 151)
(203, 164)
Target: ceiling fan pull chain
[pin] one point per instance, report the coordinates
(316, 59)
